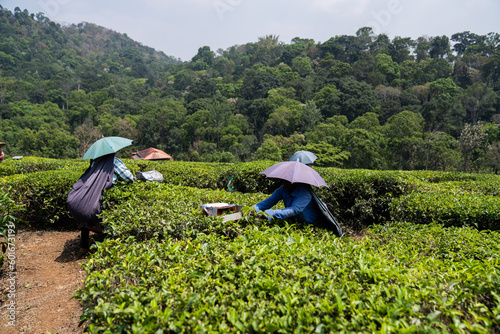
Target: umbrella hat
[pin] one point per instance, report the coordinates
(295, 172)
(306, 157)
(106, 145)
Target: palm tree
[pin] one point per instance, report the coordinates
(268, 41)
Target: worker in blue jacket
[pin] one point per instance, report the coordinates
(298, 200)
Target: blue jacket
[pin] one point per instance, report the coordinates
(299, 204)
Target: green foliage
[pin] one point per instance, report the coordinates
(44, 195)
(191, 174)
(387, 67)
(444, 87)
(479, 211)
(358, 198)
(70, 79)
(400, 278)
(302, 65)
(32, 165)
(404, 133)
(311, 116)
(328, 155)
(167, 267)
(268, 151)
(167, 211)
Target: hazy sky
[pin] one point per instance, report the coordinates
(179, 28)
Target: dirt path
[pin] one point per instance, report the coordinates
(47, 274)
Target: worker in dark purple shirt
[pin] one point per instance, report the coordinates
(84, 201)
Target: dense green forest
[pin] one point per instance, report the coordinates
(362, 101)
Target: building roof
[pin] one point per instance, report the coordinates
(151, 154)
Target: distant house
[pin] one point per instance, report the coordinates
(151, 154)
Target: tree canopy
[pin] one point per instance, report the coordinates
(361, 101)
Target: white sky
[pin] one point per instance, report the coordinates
(180, 27)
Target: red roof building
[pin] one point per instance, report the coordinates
(151, 154)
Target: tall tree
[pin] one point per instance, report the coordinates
(404, 132)
(423, 45)
(480, 101)
(268, 151)
(444, 111)
(356, 98)
(327, 100)
(441, 151)
(86, 135)
(364, 149)
(466, 41)
(268, 41)
(388, 68)
(380, 44)
(440, 47)
(205, 55)
(400, 49)
(470, 140)
(328, 155)
(311, 116)
(258, 81)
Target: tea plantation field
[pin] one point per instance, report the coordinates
(420, 252)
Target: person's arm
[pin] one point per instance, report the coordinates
(123, 172)
(270, 201)
(302, 198)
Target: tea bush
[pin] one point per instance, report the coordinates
(476, 210)
(362, 197)
(44, 195)
(358, 198)
(400, 278)
(192, 174)
(35, 164)
(155, 210)
(167, 267)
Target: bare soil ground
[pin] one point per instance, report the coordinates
(47, 274)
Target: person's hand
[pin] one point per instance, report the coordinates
(270, 214)
(256, 214)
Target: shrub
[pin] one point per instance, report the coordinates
(154, 210)
(400, 278)
(479, 211)
(358, 198)
(34, 164)
(44, 195)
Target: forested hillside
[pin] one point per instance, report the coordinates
(362, 101)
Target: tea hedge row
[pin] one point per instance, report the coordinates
(44, 195)
(400, 278)
(154, 210)
(34, 164)
(358, 198)
(476, 210)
